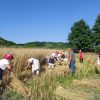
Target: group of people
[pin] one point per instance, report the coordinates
(62, 56)
(35, 64)
(56, 57)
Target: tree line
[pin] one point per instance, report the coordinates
(37, 44)
(50, 45)
(85, 38)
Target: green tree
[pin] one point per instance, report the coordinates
(4, 42)
(80, 36)
(96, 32)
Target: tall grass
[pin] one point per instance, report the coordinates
(43, 86)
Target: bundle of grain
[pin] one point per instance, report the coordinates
(95, 83)
(19, 87)
(72, 95)
(98, 67)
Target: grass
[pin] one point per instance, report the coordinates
(43, 86)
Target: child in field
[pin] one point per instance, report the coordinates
(35, 64)
(5, 63)
(80, 56)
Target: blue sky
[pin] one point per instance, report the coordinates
(24, 21)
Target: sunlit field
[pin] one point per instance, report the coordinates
(51, 84)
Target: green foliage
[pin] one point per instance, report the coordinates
(80, 36)
(4, 42)
(11, 95)
(96, 49)
(96, 32)
(64, 80)
(50, 45)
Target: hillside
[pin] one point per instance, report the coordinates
(4, 42)
(50, 45)
(37, 44)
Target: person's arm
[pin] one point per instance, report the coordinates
(28, 66)
(9, 67)
(69, 58)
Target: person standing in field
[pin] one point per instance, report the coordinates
(5, 63)
(98, 59)
(80, 56)
(97, 67)
(71, 61)
(34, 64)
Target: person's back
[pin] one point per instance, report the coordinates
(35, 64)
(3, 63)
(71, 61)
(72, 56)
(81, 55)
(51, 60)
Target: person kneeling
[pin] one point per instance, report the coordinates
(51, 62)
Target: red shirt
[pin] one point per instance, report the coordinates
(81, 55)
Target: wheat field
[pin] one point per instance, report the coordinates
(25, 86)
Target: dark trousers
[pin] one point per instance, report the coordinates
(81, 60)
(72, 67)
(1, 74)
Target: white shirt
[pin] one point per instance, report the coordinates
(98, 61)
(35, 64)
(59, 55)
(3, 63)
